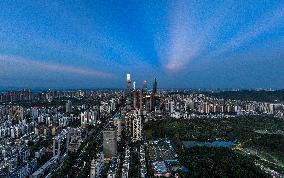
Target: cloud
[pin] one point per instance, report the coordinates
(187, 42)
(181, 29)
(264, 24)
(44, 66)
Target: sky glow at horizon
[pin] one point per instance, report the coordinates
(185, 44)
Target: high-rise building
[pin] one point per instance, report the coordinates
(128, 78)
(134, 85)
(137, 126)
(147, 102)
(144, 85)
(155, 86)
(34, 113)
(68, 106)
(141, 100)
(172, 106)
(97, 166)
(109, 143)
(135, 99)
(153, 100)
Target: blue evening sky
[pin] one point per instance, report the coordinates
(185, 44)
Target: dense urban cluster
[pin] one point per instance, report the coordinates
(100, 133)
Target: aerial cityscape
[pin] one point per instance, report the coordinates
(141, 132)
(142, 89)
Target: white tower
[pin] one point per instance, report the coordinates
(134, 85)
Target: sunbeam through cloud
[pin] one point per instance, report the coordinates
(33, 64)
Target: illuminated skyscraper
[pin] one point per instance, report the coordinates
(128, 78)
(134, 85)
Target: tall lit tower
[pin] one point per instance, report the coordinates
(128, 84)
(134, 85)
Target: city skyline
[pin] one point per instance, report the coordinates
(184, 44)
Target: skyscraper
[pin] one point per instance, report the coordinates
(128, 78)
(155, 86)
(109, 143)
(144, 86)
(134, 85)
(135, 99)
(68, 106)
(141, 100)
(137, 126)
(97, 166)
